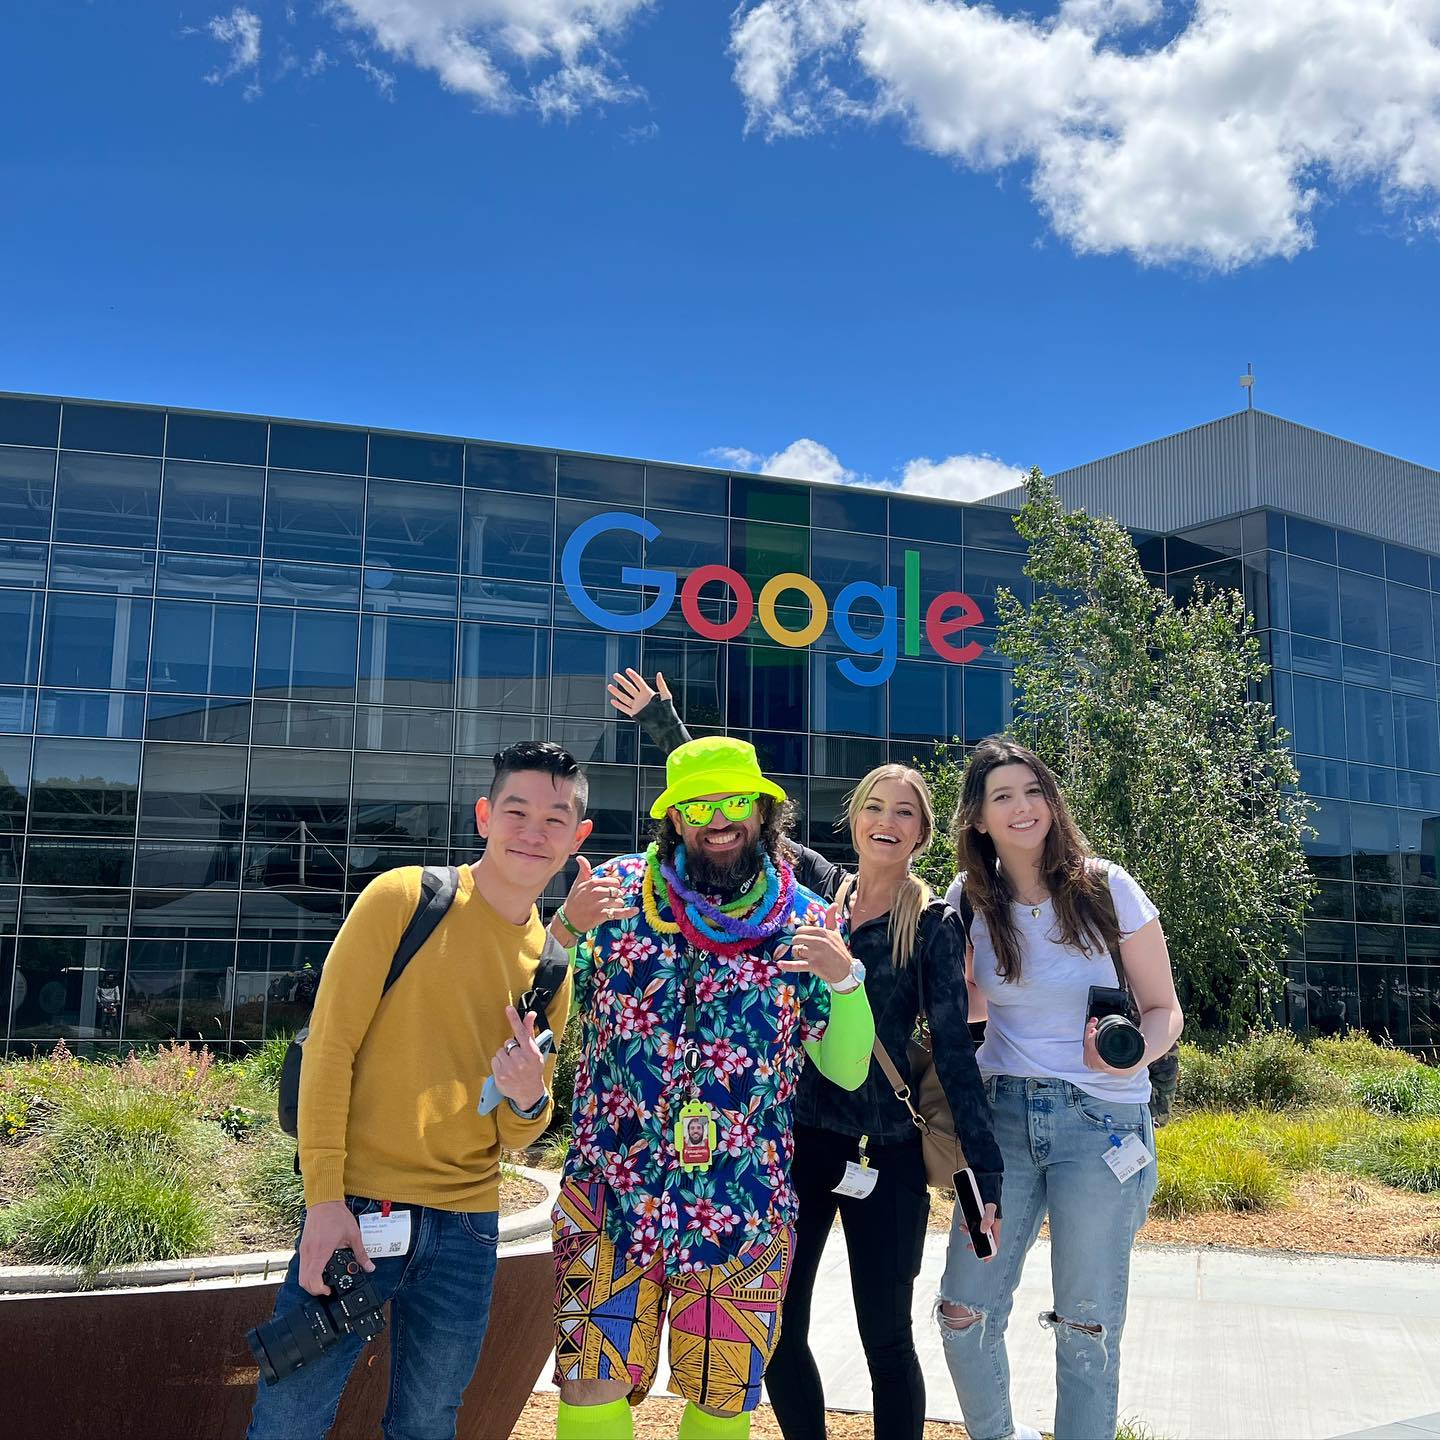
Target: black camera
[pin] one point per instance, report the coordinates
(1118, 1038)
(353, 1307)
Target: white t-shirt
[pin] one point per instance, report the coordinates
(1036, 1025)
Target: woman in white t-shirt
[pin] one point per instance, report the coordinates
(1068, 1124)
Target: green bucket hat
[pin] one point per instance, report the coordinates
(712, 765)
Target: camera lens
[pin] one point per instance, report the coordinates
(1119, 1042)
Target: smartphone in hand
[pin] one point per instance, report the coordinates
(490, 1096)
(967, 1197)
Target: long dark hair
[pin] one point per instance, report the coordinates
(1066, 867)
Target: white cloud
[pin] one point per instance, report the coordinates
(957, 477)
(240, 30)
(1210, 143)
(382, 80)
(551, 55)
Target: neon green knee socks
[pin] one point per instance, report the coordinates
(695, 1424)
(594, 1422)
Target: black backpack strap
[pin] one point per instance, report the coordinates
(438, 885)
(549, 977)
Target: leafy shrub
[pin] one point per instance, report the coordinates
(1271, 1070)
(1414, 1090)
(1406, 1155)
(562, 1086)
(236, 1121)
(1208, 1162)
(1356, 1052)
(271, 1180)
(118, 1214)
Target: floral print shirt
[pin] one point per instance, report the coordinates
(630, 1081)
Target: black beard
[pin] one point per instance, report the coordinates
(711, 878)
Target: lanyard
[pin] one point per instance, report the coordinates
(690, 1025)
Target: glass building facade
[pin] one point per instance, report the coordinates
(248, 664)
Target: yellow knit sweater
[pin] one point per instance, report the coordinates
(389, 1086)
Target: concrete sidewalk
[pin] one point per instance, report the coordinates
(1219, 1344)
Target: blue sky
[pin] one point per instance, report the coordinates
(678, 230)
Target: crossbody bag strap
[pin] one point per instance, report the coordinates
(898, 1085)
(1107, 903)
(438, 887)
(549, 977)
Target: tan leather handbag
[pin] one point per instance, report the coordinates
(929, 1110)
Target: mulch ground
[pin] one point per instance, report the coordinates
(659, 1416)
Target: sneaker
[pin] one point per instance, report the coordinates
(1025, 1432)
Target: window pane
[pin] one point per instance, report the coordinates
(516, 601)
(96, 642)
(987, 702)
(1369, 725)
(313, 517)
(768, 688)
(215, 437)
(1315, 542)
(21, 613)
(414, 457)
(504, 668)
(185, 913)
(193, 791)
(23, 564)
(107, 500)
(985, 572)
(695, 671)
(101, 714)
(613, 808)
(291, 789)
(761, 551)
(212, 508)
(276, 915)
(1409, 567)
(407, 662)
(619, 483)
(84, 786)
(202, 649)
(509, 536)
(926, 520)
(481, 734)
(687, 542)
(14, 780)
(421, 731)
(105, 863)
(672, 488)
(989, 528)
(327, 587)
(836, 559)
(400, 798)
(113, 428)
(61, 986)
(177, 865)
(593, 741)
(1416, 735)
(307, 864)
(1362, 611)
(17, 710)
(322, 727)
(412, 527)
(1314, 599)
(207, 577)
(29, 422)
(839, 705)
(314, 447)
(306, 655)
(1410, 632)
(580, 660)
(1359, 552)
(498, 467)
(27, 493)
(188, 717)
(927, 701)
(116, 572)
(842, 507)
(408, 592)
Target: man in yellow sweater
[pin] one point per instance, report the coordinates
(398, 1165)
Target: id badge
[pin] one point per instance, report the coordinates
(1128, 1157)
(385, 1236)
(695, 1136)
(858, 1180)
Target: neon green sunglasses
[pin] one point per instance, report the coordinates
(732, 807)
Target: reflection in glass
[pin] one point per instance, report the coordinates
(29, 422)
(306, 655)
(207, 577)
(212, 509)
(508, 536)
(194, 792)
(215, 437)
(84, 786)
(415, 457)
(401, 799)
(116, 572)
(66, 988)
(313, 517)
(412, 527)
(202, 649)
(17, 710)
(407, 662)
(504, 668)
(421, 731)
(299, 797)
(116, 428)
(499, 467)
(305, 725)
(27, 493)
(504, 601)
(402, 592)
(20, 617)
(316, 447)
(107, 500)
(96, 642)
(101, 714)
(618, 482)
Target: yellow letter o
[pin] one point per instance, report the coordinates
(770, 621)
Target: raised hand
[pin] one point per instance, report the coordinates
(518, 1066)
(630, 693)
(820, 950)
(594, 899)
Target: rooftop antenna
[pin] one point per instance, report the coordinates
(1247, 383)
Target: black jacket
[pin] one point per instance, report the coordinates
(937, 964)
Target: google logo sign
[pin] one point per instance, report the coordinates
(947, 615)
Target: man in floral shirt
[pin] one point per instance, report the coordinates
(696, 1016)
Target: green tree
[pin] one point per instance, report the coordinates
(1151, 715)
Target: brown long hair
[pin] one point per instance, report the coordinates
(914, 894)
(1066, 867)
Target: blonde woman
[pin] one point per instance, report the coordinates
(910, 943)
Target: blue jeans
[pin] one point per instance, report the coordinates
(439, 1298)
(1054, 1138)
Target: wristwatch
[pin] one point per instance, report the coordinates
(535, 1111)
(853, 981)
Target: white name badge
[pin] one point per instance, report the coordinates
(385, 1236)
(1129, 1158)
(858, 1182)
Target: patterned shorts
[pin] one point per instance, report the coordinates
(724, 1321)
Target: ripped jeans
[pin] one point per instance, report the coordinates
(1054, 1137)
